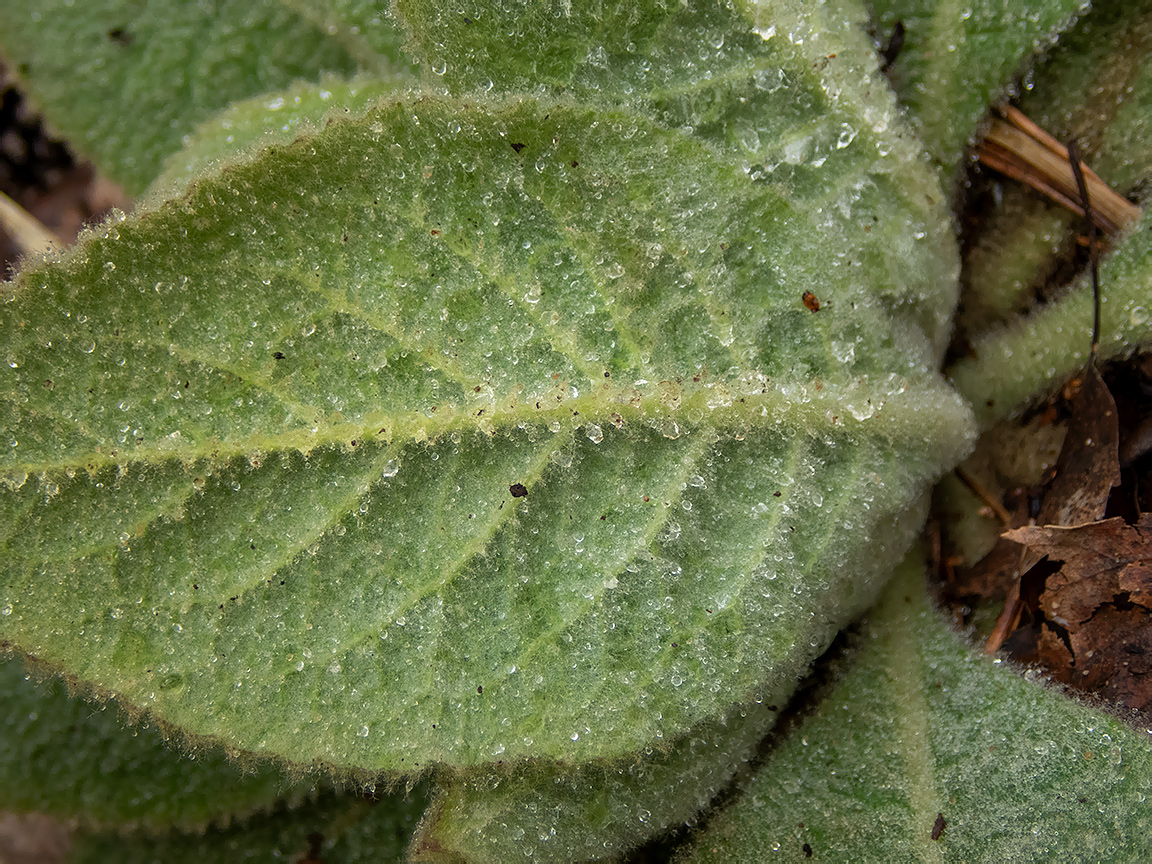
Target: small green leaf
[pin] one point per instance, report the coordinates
(958, 58)
(1025, 239)
(367, 28)
(125, 81)
(922, 737)
(1010, 367)
(479, 429)
(246, 126)
(555, 813)
(336, 829)
(73, 759)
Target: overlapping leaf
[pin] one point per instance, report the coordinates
(125, 81)
(77, 761)
(926, 751)
(480, 428)
(556, 813)
(1010, 366)
(955, 61)
(335, 829)
(1023, 241)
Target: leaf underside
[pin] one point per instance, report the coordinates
(266, 446)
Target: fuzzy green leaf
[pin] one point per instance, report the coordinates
(267, 447)
(788, 89)
(1010, 367)
(556, 813)
(125, 80)
(72, 759)
(368, 29)
(958, 58)
(246, 126)
(336, 829)
(1026, 239)
(920, 727)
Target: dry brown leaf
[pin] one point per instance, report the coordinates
(1102, 561)
(1089, 464)
(1098, 636)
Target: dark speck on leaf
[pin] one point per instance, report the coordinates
(575, 164)
(939, 826)
(518, 490)
(120, 36)
(279, 355)
(811, 301)
(517, 146)
(807, 850)
(467, 20)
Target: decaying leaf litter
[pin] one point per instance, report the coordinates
(1078, 579)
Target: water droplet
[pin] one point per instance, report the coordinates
(439, 66)
(88, 347)
(595, 433)
(391, 468)
(275, 104)
(363, 733)
(7, 610)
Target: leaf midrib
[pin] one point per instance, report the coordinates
(906, 687)
(738, 404)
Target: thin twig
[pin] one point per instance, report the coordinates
(26, 230)
(1009, 618)
(976, 488)
(1086, 203)
(1018, 148)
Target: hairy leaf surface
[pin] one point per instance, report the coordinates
(73, 759)
(927, 752)
(957, 58)
(334, 829)
(560, 813)
(1039, 352)
(477, 428)
(125, 81)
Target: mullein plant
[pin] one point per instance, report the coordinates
(486, 416)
